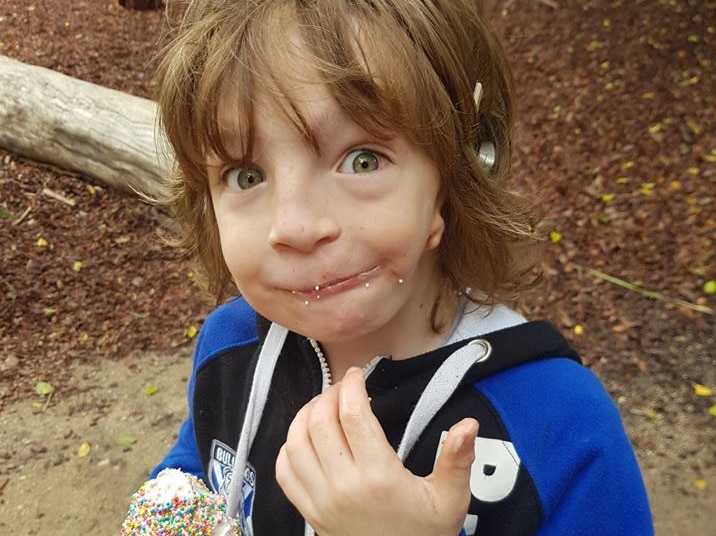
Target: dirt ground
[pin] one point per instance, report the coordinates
(615, 138)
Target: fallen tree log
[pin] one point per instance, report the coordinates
(102, 133)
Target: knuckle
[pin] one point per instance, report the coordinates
(379, 483)
(351, 413)
(319, 420)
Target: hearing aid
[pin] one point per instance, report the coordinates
(485, 149)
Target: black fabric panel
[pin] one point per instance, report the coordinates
(221, 390)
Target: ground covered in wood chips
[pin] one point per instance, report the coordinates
(615, 139)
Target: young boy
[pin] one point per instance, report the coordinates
(343, 166)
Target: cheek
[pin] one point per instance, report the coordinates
(236, 251)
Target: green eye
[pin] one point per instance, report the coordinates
(360, 161)
(244, 178)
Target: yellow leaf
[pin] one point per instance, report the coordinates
(647, 188)
(578, 330)
(694, 171)
(593, 45)
(712, 411)
(702, 390)
(655, 128)
(151, 390)
(41, 243)
(623, 180)
(49, 311)
(608, 197)
(648, 95)
(627, 165)
(190, 332)
(77, 266)
(125, 441)
(84, 336)
(700, 484)
(710, 287)
(694, 127)
(555, 237)
(84, 450)
(44, 388)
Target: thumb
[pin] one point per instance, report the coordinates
(452, 468)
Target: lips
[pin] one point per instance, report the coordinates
(339, 284)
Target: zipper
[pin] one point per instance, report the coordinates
(326, 378)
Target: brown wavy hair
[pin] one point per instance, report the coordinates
(393, 66)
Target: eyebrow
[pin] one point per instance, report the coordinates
(322, 128)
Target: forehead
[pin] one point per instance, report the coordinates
(310, 80)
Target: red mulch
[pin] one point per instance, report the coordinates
(615, 138)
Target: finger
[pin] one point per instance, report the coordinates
(451, 473)
(292, 485)
(327, 436)
(361, 428)
(299, 452)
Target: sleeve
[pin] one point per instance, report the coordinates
(230, 325)
(571, 440)
(184, 454)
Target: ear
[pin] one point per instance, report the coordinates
(437, 227)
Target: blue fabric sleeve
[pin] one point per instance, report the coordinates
(230, 325)
(570, 438)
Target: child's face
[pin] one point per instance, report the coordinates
(336, 243)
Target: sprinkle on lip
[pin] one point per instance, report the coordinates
(337, 282)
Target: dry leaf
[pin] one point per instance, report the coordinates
(84, 450)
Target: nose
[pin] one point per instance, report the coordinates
(301, 219)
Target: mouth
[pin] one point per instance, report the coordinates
(340, 284)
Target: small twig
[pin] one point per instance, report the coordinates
(548, 3)
(652, 294)
(47, 403)
(22, 216)
(59, 197)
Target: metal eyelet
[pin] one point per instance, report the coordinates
(486, 349)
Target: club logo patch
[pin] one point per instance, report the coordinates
(221, 472)
(248, 491)
(221, 467)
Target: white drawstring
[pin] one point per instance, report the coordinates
(440, 388)
(260, 384)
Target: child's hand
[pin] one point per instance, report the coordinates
(341, 473)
